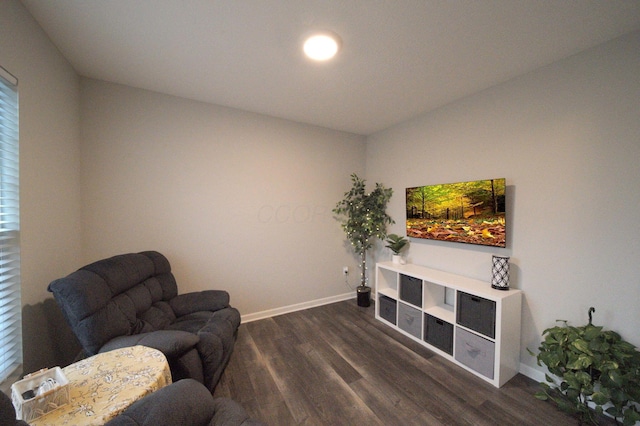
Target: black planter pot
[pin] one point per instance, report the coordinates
(364, 296)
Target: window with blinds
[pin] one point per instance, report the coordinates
(10, 306)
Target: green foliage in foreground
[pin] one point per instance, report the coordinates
(590, 367)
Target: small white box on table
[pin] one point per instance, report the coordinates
(53, 396)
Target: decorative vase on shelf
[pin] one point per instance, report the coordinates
(500, 273)
(396, 258)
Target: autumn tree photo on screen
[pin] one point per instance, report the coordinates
(465, 212)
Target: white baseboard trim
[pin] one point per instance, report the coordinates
(297, 307)
(532, 373)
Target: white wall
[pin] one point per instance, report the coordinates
(567, 139)
(235, 200)
(49, 166)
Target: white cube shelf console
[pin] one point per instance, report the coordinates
(462, 319)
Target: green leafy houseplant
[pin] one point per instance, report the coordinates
(592, 368)
(363, 218)
(396, 243)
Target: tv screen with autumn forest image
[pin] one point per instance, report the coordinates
(464, 212)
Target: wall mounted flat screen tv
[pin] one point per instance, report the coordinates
(464, 212)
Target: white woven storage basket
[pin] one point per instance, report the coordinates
(32, 408)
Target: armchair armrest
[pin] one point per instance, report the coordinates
(208, 300)
(172, 343)
(185, 402)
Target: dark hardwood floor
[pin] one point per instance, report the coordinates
(337, 365)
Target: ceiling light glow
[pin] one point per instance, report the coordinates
(321, 47)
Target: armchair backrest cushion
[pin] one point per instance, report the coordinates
(122, 295)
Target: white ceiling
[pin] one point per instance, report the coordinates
(400, 58)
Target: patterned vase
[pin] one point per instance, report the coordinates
(500, 273)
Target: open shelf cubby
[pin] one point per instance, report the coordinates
(460, 318)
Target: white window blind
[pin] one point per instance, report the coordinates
(10, 306)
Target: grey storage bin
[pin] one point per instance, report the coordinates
(410, 320)
(388, 308)
(438, 333)
(411, 290)
(477, 313)
(475, 352)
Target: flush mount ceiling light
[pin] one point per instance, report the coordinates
(321, 46)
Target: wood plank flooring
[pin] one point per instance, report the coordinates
(337, 365)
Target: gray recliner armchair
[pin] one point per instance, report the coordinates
(132, 299)
(8, 412)
(185, 402)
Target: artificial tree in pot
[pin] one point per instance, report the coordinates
(364, 218)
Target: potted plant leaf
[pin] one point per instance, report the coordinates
(396, 243)
(592, 371)
(363, 218)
